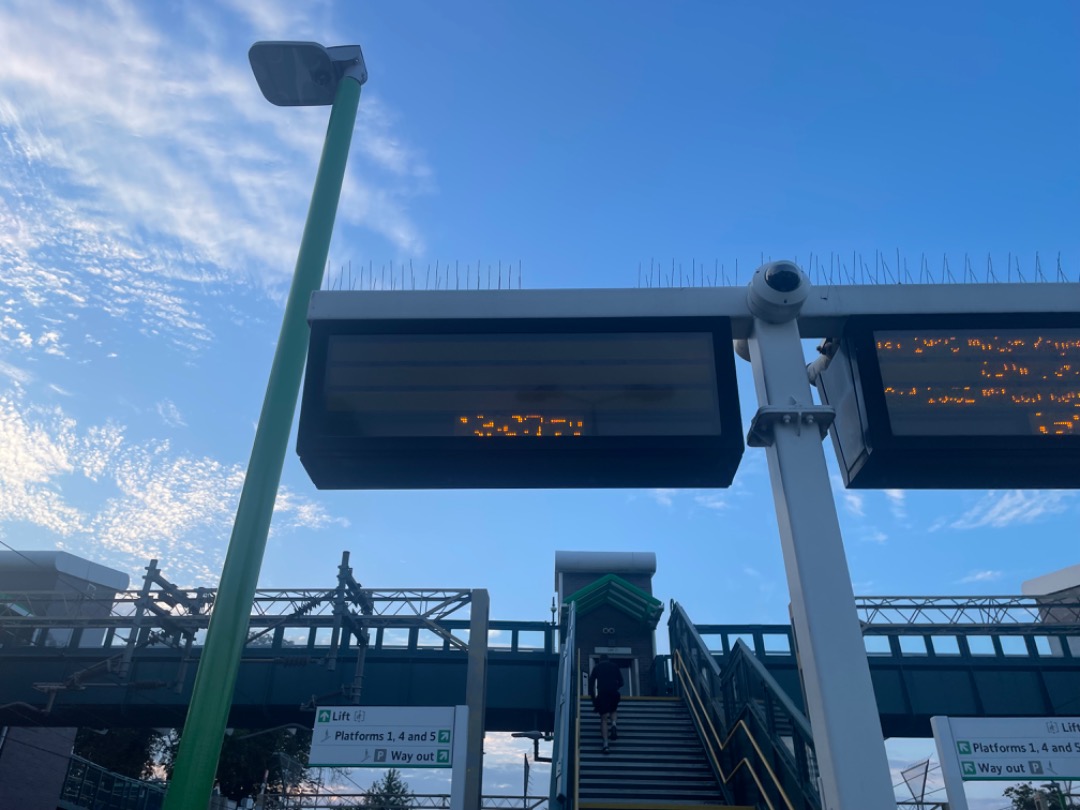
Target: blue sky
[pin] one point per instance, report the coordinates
(151, 204)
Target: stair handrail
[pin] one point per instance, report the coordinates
(564, 747)
(743, 657)
(714, 746)
(744, 668)
(729, 707)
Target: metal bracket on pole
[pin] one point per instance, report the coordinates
(769, 416)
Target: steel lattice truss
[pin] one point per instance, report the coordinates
(410, 607)
(991, 613)
(163, 614)
(392, 607)
(434, 604)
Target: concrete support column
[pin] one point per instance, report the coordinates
(475, 696)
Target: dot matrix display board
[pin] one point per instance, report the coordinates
(958, 401)
(536, 403)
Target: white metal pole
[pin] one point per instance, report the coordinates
(850, 748)
(950, 763)
(460, 764)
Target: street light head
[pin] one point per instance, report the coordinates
(304, 74)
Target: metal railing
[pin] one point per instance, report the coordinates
(970, 642)
(564, 749)
(89, 785)
(759, 743)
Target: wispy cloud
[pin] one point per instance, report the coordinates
(274, 19)
(292, 511)
(853, 502)
(980, 576)
(872, 534)
(170, 414)
(712, 500)
(139, 125)
(897, 503)
(32, 457)
(1000, 509)
(14, 373)
(148, 500)
(664, 497)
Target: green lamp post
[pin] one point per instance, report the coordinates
(289, 74)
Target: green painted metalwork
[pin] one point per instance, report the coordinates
(615, 591)
(204, 730)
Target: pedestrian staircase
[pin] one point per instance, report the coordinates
(658, 760)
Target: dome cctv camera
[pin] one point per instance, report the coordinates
(777, 291)
(783, 276)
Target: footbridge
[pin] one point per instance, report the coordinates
(130, 660)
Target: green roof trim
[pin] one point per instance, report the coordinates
(613, 590)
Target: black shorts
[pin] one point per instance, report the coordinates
(606, 702)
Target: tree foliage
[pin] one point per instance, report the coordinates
(127, 751)
(389, 793)
(1023, 796)
(279, 755)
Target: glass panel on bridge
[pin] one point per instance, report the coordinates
(1013, 645)
(92, 637)
(58, 638)
(877, 645)
(745, 638)
(945, 645)
(912, 645)
(294, 637)
(981, 645)
(714, 642)
(1048, 647)
(776, 644)
(530, 639)
(120, 638)
(499, 639)
(427, 640)
(395, 637)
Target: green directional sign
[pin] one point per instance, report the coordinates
(383, 736)
(1011, 748)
